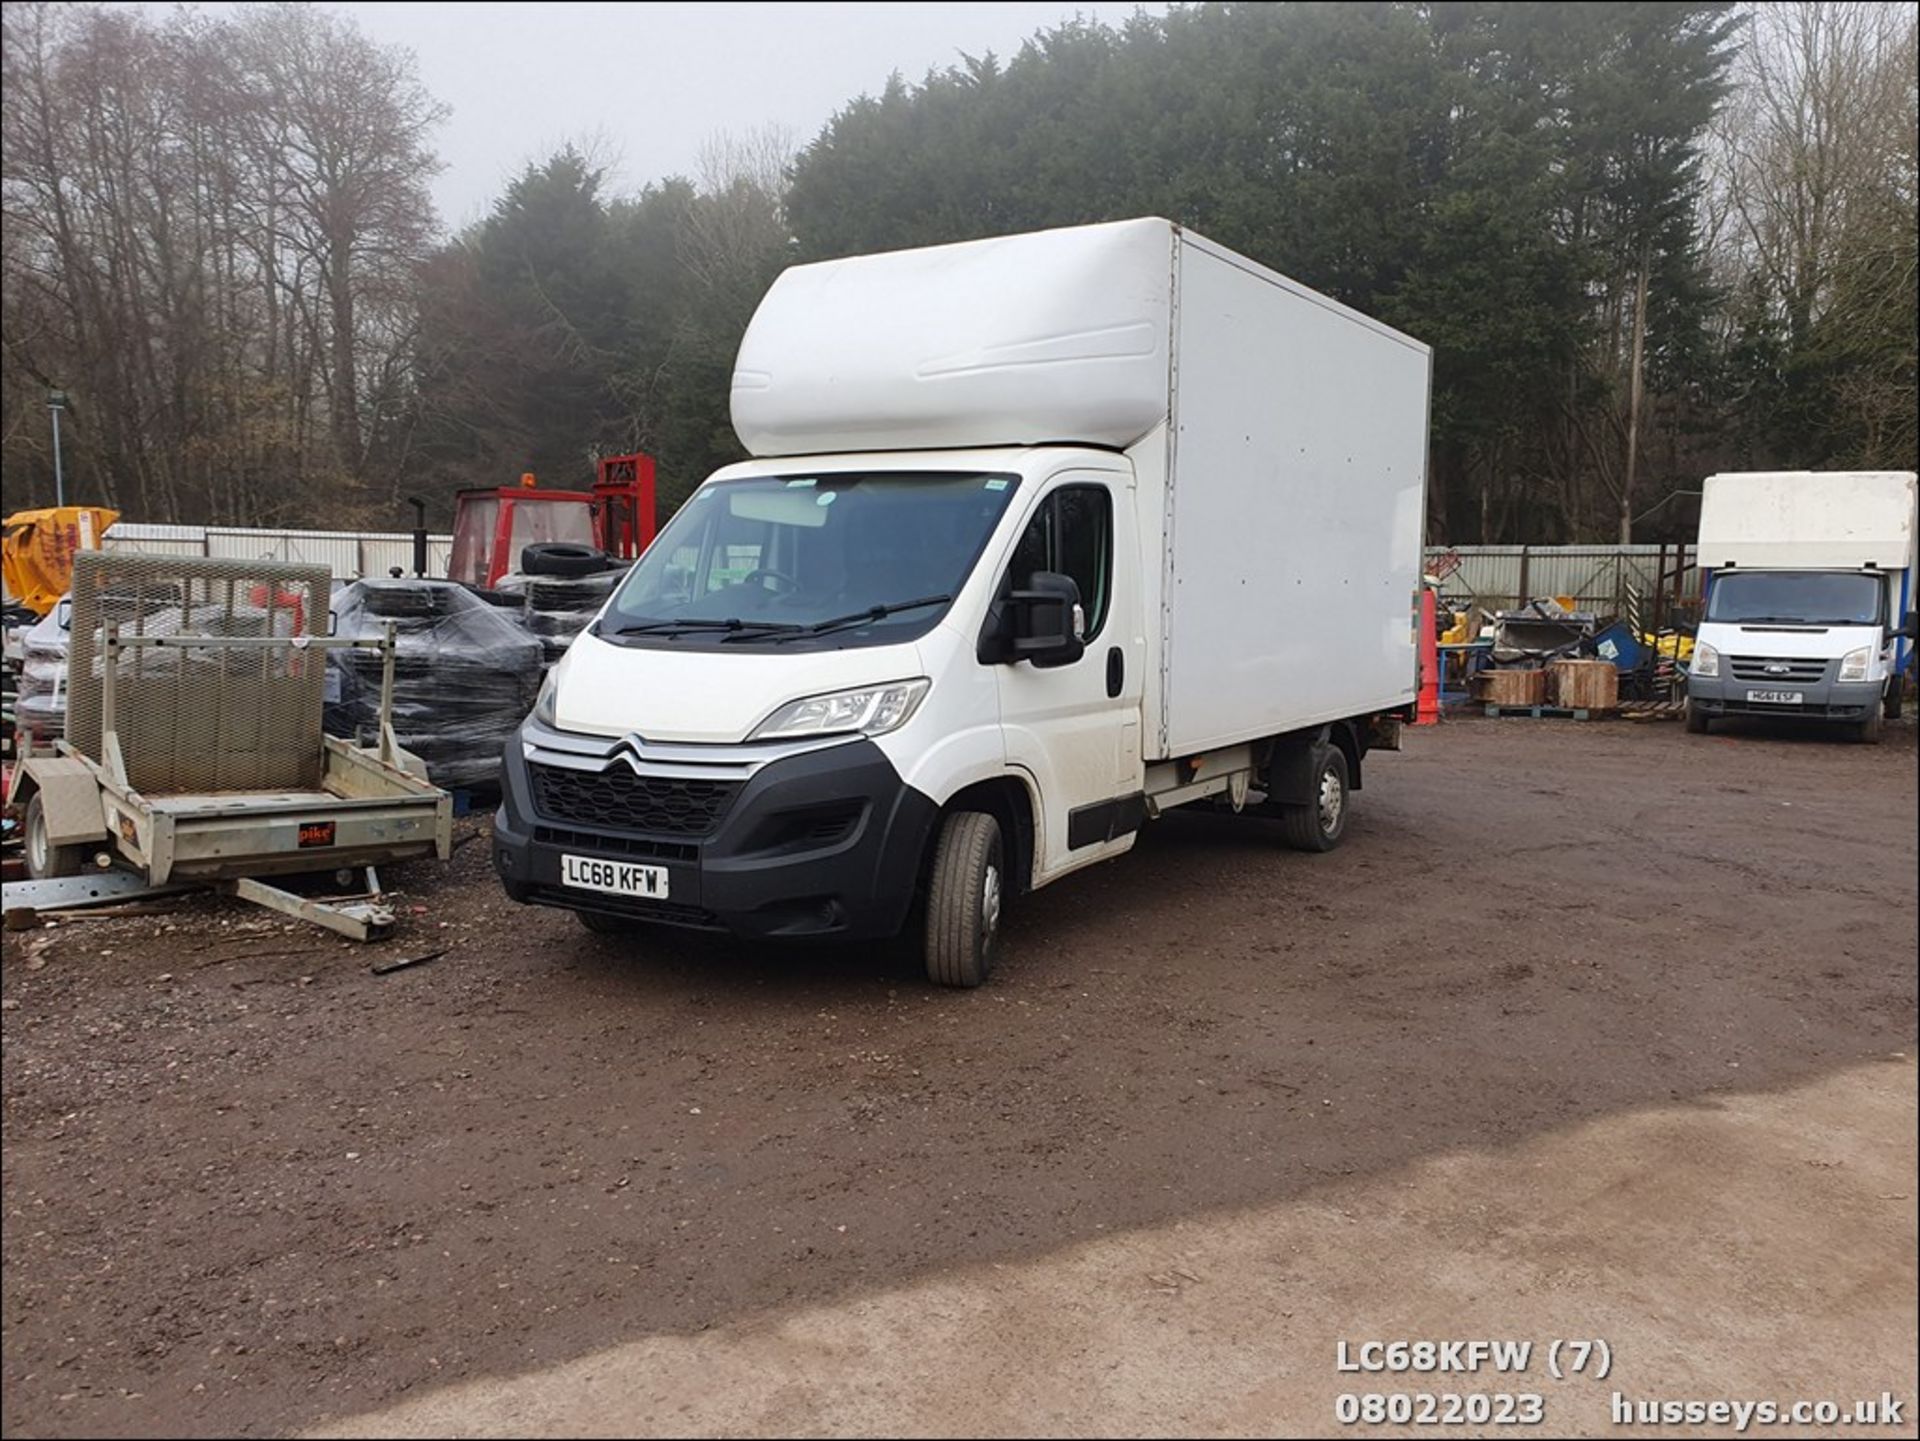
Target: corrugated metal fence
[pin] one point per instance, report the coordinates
(349, 554)
(1597, 577)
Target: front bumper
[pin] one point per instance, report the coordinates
(826, 843)
(1823, 699)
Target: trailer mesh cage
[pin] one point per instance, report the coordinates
(192, 718)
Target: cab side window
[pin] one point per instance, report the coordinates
(1072, 535)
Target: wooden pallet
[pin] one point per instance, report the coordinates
(1658, 710)
(1555, 712)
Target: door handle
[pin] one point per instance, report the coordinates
(1116, 671)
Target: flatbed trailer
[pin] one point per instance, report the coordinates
(196, 753)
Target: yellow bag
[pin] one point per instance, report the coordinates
(37, 549)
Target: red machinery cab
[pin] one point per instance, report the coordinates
(493, 525)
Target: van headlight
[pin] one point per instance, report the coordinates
(871, 710)
(545, 710)
(1853, 665)
(1706, 660)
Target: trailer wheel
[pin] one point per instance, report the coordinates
(602, 924)
(1696, 720)
(1318, 825)
(45, 860)
(964, 899)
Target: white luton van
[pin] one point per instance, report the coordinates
(1809, 595)
(1043, 536)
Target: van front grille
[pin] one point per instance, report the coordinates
(1782, 670)
(617, 799)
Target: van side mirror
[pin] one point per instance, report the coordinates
(1048, 620)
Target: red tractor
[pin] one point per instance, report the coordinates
(493, 525)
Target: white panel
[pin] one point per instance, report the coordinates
(153, 545)
(380, 553)
(338, 551)
(349, 554)
(1808, 519)
(1059, 335)
(1298, 504)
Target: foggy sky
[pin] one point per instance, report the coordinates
(650, 82)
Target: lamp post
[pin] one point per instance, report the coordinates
(57, 402)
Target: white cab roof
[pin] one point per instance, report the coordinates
(1059, 335)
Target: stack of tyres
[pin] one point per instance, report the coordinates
(40, 706)
(559, 607)
(464, 676)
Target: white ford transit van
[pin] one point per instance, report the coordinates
(1809, 597)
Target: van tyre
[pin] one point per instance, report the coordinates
(1696, 720)
(1867, 733)
(1896, 686)
(602, 924)
(965, 896)
(1318, 825)
(45, 860)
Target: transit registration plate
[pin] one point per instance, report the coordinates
(619, 878)
(1773, 697)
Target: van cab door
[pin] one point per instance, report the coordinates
(1075, 727)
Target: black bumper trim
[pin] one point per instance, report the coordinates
(1103, 821)
(825, 843)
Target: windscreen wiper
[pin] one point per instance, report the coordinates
(860, 617)
(731, 626)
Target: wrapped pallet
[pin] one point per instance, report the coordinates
(40, 706)
(465, 675)
(559, 607)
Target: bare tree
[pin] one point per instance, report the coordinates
(1824, 102)
(211, 233)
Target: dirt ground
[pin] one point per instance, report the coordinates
(1589, 1030)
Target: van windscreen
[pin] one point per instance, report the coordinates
(764, 559)
(1795, 597)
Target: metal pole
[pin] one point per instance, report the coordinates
(56, 402)
(386, 695)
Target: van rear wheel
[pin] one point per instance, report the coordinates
(965, 896)
(1322, 821)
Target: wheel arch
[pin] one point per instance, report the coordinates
(1009, 800)
(1288, 769)
(70, 798)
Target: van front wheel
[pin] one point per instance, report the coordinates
(965, 896)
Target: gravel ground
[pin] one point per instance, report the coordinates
(250, 1186)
